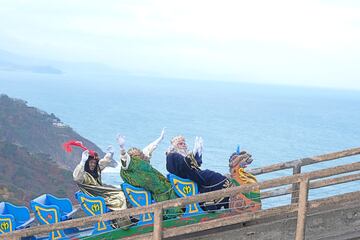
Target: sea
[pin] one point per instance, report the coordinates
(272, 122)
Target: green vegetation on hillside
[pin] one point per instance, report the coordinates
(25, 175)
(32, 159)
(39, 131)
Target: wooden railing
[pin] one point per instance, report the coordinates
(303, 180)
(297, 164)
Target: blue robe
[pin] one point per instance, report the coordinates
(207, 180)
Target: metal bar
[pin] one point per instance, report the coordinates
(183, 201)
(302, 209)
(157, 234)
(295, 186)
(305, 161)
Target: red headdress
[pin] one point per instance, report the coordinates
(68, 146)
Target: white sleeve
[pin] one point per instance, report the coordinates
(149, 149)
(105, 161)
(125, 160)
(78, 173)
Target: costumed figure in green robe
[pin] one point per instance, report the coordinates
(137, 171)
(87, 175)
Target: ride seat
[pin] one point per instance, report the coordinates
(13, 217)
(49, 209)
(139, 197)
(186, 188)
(94, 206)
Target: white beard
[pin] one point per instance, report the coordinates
(182, 151)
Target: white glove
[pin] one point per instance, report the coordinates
(162, 134)
(84, 156)
(112, 162)
(110, 150)
(149, 149)
(200, 146)
(196, 145)
(121, 141)
(159, 139)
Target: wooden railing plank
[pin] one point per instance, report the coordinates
(305, 161)
(313, 185)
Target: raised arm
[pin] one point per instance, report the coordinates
(78, 173)
(198, 149)
(124, 156)
(108, 160)
(149, 149)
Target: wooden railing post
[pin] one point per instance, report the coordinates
(157, 234)
(295, 186)
(302, 209)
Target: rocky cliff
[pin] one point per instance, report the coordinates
(39, 132)
(32, 160)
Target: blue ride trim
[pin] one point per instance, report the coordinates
(13, 217)
(186, 188)
(49, 209)
(94, 206)
(139, 197)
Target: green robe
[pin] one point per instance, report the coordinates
(141, 174)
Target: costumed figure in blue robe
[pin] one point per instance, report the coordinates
(186, 164)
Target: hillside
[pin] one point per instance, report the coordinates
(39, 132)
(26, 175)
(32, 159)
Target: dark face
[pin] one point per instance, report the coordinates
(92, 164)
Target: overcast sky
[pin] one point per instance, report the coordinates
(307, 42)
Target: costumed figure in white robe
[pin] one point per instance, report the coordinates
(87, 175)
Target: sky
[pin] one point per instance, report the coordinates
(308, 42)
